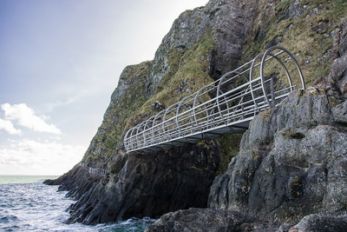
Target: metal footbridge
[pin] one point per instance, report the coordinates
(226, 105)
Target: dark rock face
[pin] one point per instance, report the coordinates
(151, 184)
(77, 181)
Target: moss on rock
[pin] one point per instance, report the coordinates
(189, 71)
(127, 98)
(230, 146)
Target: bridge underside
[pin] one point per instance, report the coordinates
(193, 139)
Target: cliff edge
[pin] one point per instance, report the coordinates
(290, 162)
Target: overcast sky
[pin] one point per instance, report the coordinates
(59, 63)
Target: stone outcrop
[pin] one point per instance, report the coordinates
(227, 20)
(291, 163)
(150, 184)
(321, 223)
(203, 220)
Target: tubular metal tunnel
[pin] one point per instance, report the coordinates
(224, 106)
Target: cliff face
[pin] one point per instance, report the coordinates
(290, 172)
(282, 171)
(111, 185)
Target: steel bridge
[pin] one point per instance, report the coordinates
(226, 105)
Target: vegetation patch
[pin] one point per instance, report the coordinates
(230, 146)
(308, 35)
(188, 73)
(109, 135)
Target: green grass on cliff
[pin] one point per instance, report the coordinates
(188, 72)
(108, 137)
(230, 146)
(309, 35)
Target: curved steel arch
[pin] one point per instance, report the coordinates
(145, 128)
(198, 94)
(180, 103)
(268, 52)
(126, 137)
(156, 127)
(219, 89)
(138, 132)
(251, 77)
(168, 110)
(132, 134)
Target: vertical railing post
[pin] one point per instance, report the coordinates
(272, 91)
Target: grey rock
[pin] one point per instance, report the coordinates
(284, 227)
(203, 220)
(342, 40)
(339, 68)
(291, 160)
(295, 9)
(321, 223)
(209, 220)
(229, 21)
(340, 113)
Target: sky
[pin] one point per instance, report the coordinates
(60, 60)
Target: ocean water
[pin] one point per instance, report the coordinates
(28, 205)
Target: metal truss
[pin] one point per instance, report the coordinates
(226, 105)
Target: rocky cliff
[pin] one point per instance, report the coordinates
(290, 173)
(291, 160)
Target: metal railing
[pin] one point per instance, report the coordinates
(98, 172)
(223, 106)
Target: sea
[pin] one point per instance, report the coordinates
(26, 204)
